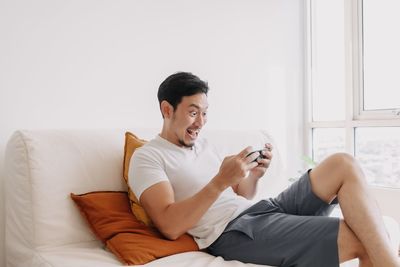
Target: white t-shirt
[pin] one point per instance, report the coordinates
(188, 170)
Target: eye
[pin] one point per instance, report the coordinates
(193, 114)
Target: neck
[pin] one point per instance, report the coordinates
(164, 132)
(168, 135)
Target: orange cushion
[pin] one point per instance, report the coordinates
(131, 143)
(110, 218)
(107, 213)
(134, 249)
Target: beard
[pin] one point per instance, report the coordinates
(184, 144)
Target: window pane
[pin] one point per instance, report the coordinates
(381, 22)
(328, 60)
(327, 141)
(378, 150)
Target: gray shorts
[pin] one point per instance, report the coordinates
(289, 230)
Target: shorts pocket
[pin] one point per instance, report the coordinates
(240, 227)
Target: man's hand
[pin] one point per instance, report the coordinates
(248, 186)
(234, 168)
(263, 163)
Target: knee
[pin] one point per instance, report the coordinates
(347, 165)
(342, 159)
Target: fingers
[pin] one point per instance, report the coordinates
(245, 152)
(252, 158)
(248, 155)
(252, 165)
(266, 154)
(268, 146)
(263, 163)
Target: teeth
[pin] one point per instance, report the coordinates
(193, 132)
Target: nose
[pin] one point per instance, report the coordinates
(200, 120)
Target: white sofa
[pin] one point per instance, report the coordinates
(43, 226)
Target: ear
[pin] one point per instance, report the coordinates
(166, 109)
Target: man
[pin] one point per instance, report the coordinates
(186, 188)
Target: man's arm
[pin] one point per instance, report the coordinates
(247, 188)
(175, 218)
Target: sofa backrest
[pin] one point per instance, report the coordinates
(44, 166)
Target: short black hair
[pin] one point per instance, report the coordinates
(178, 85)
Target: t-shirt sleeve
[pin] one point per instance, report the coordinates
(145, 170)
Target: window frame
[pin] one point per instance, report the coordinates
(355, 17)
(355, 116)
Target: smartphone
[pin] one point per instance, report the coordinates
(261, 156)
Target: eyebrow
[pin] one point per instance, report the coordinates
(197, 106)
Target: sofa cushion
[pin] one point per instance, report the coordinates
(109, 216)
(132, 142)
(44, 166)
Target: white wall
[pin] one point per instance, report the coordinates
(98, 64)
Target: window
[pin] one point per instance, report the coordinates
(378, 151)
(381, 55)
(353, 84)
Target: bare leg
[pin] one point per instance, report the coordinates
(349, 247)
(340, 175)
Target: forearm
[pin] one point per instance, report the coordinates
(248, 187)
(178, 217)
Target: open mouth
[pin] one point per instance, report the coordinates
(193, 133)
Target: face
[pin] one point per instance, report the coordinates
(186, 121)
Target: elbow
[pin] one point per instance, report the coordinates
(171, 236)
(170, 232)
